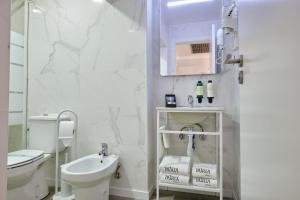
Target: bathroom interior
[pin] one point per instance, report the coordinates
(127, 99)
(87, 79)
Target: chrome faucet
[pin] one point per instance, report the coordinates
(103, 152)
(104, 149)
(191, 101)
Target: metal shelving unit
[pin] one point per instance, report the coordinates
(163, 129)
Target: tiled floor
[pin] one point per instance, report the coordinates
(166, 196)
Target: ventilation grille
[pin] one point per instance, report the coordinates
(200, 48)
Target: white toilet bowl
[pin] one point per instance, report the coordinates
(89, 177)
(26, 178)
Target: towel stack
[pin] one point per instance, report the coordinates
(204, 175)
(175, 170)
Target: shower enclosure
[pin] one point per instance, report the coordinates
(17, 79)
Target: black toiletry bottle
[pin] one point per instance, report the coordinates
(199, 91)
(210, 91)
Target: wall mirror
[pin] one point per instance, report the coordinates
(188, 36)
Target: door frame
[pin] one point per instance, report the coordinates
(4, 92)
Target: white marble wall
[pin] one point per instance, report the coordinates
(152, 59)
(91, 57)
(4, 80)
(226, 95)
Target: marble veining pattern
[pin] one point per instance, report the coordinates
(114, 115)
(91, 57)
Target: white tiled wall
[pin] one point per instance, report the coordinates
(93, 61)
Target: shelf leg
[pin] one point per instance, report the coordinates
(221, 155)
(157, 156)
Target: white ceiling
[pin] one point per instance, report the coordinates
(204, 11)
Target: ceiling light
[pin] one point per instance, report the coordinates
(37, 9)
(185, 2)
(98, 1)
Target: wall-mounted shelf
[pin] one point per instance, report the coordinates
(163, 128)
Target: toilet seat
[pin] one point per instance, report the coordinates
(23, 157)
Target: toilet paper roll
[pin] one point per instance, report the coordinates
(66, 132)
(166, 140)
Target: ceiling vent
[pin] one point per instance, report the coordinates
(200, 48)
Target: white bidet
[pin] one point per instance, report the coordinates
(89, 176)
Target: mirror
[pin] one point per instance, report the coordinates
(188, 36)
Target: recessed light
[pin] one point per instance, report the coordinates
(185, 2)
(37, 9)
(98, 1)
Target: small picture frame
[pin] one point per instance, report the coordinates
(170, 100)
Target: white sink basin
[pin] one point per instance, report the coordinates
(89, 169)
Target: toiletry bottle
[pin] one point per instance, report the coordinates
(210, 91)
(199, 91)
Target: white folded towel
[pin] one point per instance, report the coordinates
(204, 170)
(205, 182)
(179, 165)
(174, 179)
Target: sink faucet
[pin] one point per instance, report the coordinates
(191, 101)
(103, 152)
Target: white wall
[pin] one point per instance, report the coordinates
(91, 57)
(152, 59)
(4, 79)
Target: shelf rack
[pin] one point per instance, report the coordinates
(162, 129)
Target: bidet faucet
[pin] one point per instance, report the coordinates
(104, 150)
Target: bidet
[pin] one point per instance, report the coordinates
(89, 177)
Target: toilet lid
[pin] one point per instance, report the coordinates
(23, 157)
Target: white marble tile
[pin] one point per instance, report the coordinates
(91, 57)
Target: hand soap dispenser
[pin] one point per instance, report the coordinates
(210, 91)
(199, 91)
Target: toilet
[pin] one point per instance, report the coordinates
(26, 177)
(26, 170)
